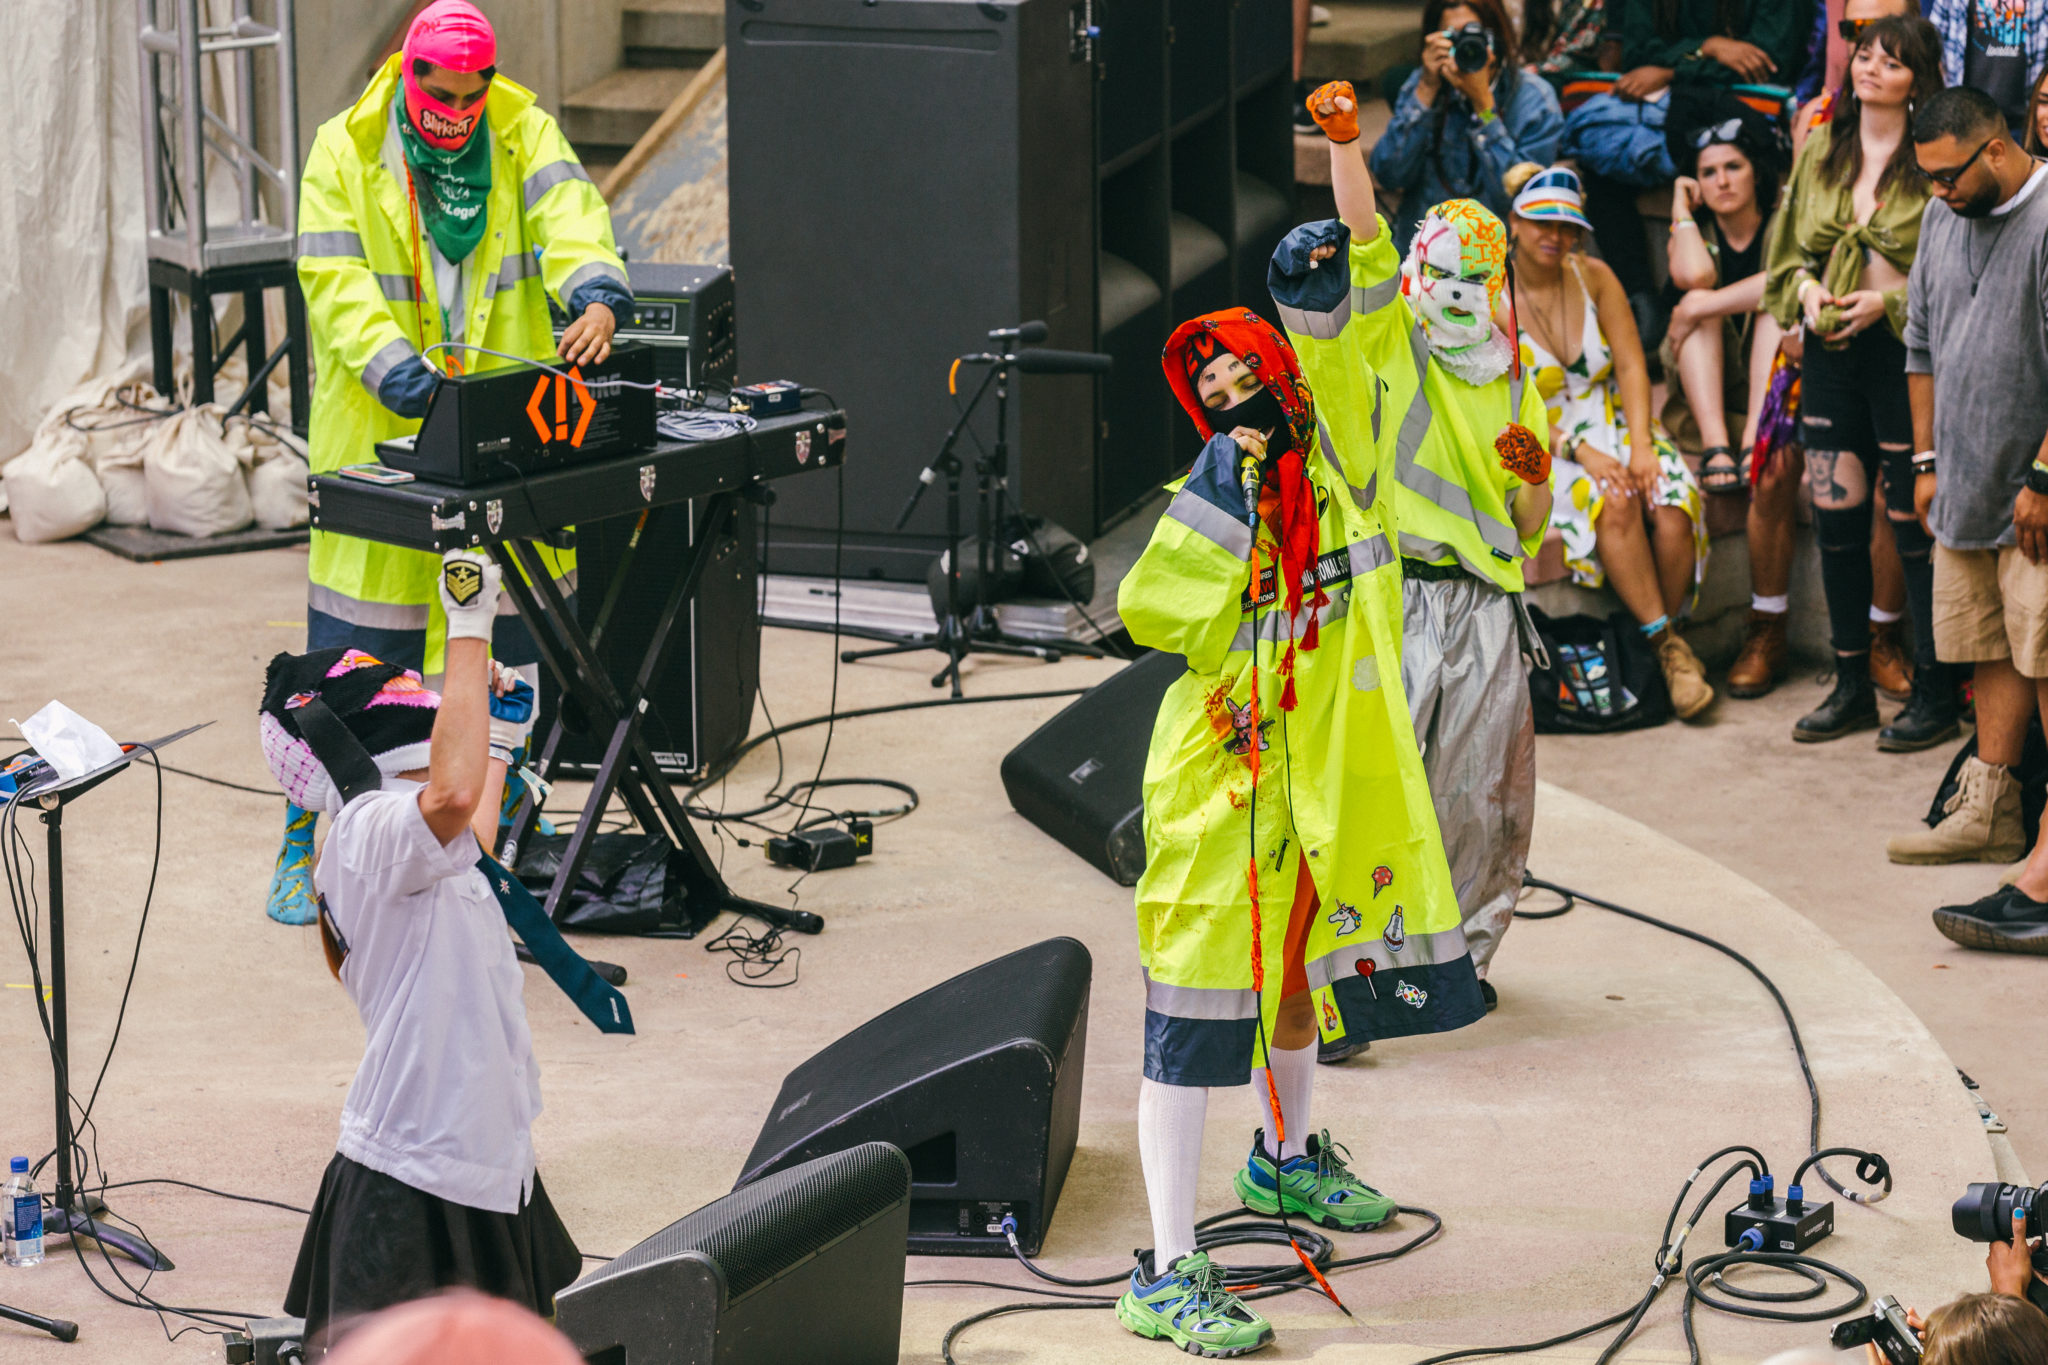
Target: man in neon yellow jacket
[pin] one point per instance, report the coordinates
(445, 206)
(1471, 477)
(1295, 882)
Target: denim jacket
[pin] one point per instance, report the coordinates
(1473, 154)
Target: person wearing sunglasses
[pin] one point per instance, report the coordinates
(1980, 427)
(1836, 264)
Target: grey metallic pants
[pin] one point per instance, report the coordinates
(1461, 663)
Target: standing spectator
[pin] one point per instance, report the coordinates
(1455, 134)
(1855, 16)
(1837, 260)
(1718, 347)
(1997, 46)
(1979, 424)
(1624, 500)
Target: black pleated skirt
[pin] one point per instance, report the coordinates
(374, 1241)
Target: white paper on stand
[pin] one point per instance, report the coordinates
(70, 743)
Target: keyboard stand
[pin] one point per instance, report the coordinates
(615, 708)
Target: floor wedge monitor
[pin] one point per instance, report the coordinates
(978, 1080)
(803, 1265)
(1080, 777)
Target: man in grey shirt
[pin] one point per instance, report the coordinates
(1977, 373)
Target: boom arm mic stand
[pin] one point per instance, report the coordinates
(980, 632)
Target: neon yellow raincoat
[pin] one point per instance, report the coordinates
(364, 267)
(1341, 782)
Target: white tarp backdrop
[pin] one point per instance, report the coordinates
(74, 301)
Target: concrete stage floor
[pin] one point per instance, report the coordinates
(1551, 1136)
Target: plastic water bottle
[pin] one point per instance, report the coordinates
(23, 1209)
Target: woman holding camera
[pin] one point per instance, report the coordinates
(1465, 117)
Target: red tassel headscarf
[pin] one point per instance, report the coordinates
(1266, 353)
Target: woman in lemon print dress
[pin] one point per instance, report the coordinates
(1628, 507)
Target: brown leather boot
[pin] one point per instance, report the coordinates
(1891, 668)
(1762, 661)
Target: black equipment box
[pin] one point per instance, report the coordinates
(1080, 776)
(977, 1080)
(434, 514)
(684, 314)
(523, 419)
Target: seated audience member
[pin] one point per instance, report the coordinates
(1625, 502)
(1454, 133)
(1717, 350)
(1762, 42)
(1837, 256)
(1570, 41)
(1856, 15)
(1997, 46)
(461, 1327)
(1981, 1329)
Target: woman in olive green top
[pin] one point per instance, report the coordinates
(1839, 251)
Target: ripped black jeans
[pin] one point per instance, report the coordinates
(1858, 428)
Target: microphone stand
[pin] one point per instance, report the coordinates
(980, 633)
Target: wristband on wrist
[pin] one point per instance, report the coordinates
(1799, 295)
(1677, 223)
(2037, 477)
(1923, 462)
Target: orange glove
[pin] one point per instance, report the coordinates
(1339, 125)
(1522, 455)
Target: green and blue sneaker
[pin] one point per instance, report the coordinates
(1189, 1307)
(1318, 1186)
(291, 884)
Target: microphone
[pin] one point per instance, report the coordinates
(1025, 334)
(1249, 477)
(1062, 362)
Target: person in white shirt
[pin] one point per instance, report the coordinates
(433, 1182)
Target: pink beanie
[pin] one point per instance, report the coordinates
(452, 34)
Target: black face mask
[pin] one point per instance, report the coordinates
(1260, 411)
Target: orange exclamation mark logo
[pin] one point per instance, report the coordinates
(561, 408)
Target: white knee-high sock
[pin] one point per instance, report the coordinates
(1170, 1121)
(1294, 1076)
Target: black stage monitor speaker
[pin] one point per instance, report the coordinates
(978, 1080)
(1080, 776)
(700, 706)
(684, 314)
(805, 1265)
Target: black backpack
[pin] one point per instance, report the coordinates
(1603, 676)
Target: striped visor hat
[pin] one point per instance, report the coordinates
(1553, 196)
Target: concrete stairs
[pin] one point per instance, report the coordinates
(666, 42)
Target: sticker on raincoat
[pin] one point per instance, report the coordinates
(1382, 878)
(1365, 674)
(1395, 936)
(1410, 994)
(1329, 1020)
(1345, 917)
(1240, 743)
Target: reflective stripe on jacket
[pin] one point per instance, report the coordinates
(1451, 505)
(372, 303)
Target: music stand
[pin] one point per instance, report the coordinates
(75, 1213)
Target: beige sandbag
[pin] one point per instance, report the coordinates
(52, 493)
(277, 474)
(196, 483)
(117, 429)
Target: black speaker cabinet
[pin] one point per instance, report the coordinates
(804, 1265)
(934, 179)
(700, 706)
(1080, 776)
(978, 1080)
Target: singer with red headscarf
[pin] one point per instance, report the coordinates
(1295, 885)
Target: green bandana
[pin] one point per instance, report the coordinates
(453, 187)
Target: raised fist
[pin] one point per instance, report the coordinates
(1334, 106)
(1522, 455)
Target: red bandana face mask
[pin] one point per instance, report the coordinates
(1266, 353)
(453, 35)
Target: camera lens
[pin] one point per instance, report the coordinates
(1984, 1213)
(1470, 48)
